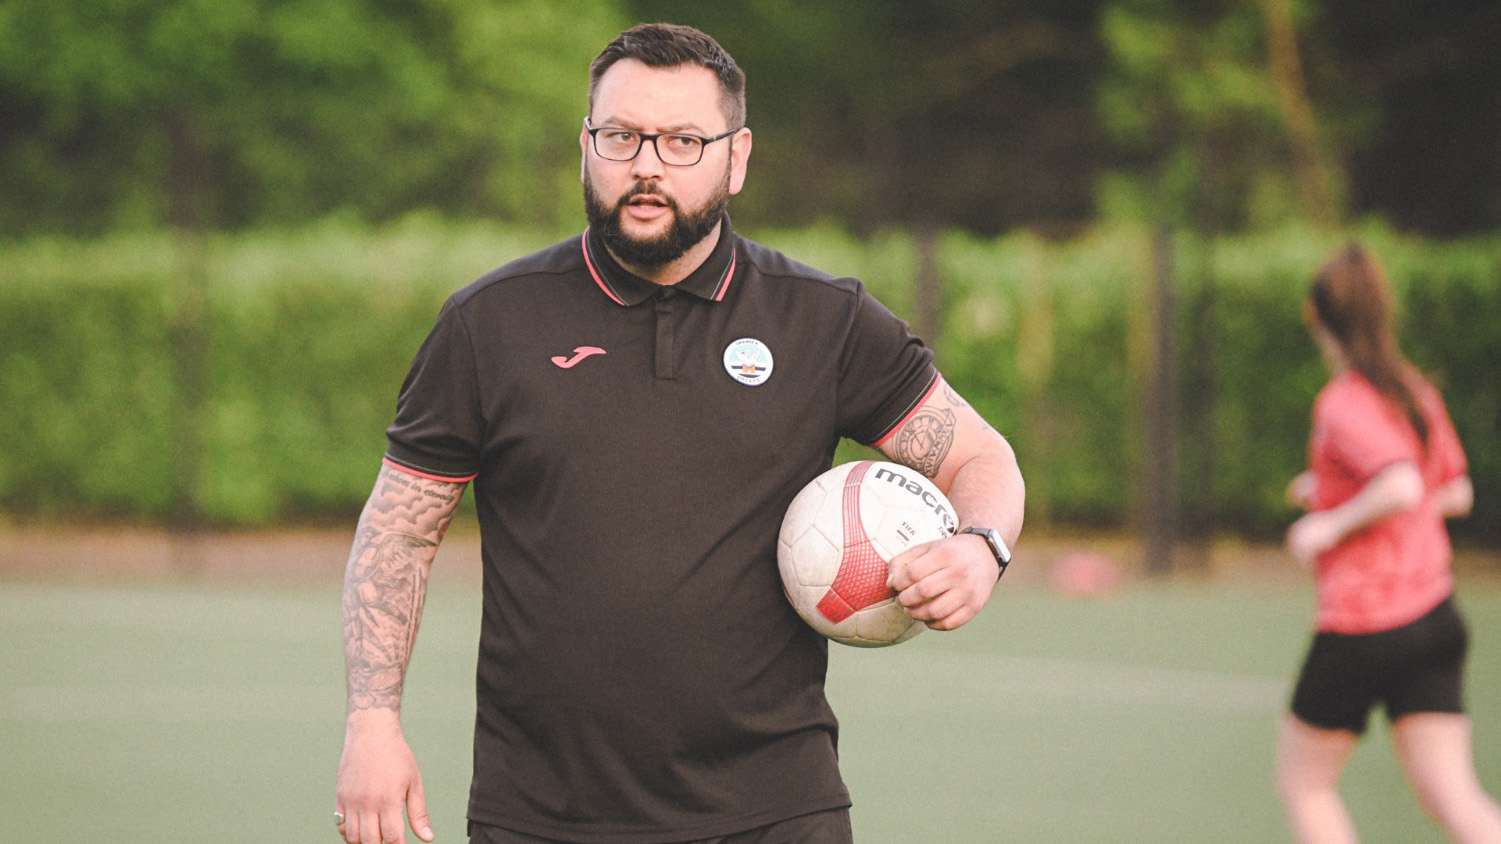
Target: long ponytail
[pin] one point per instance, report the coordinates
(1352, 299)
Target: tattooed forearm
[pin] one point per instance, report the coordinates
(384, 589)
(385, 583)
(925, 440)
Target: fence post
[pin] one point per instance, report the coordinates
(928, 289)
(1160, 498)
(189, 337)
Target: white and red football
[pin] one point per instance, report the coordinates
(837, 541)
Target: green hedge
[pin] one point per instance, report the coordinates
(308, 334)
(307, 338)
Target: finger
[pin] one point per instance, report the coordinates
(954, 620)
(946, 600)
(897, 576)
(934, 605)
(393, 826)
(342, 824)
(417, 811)
(946, 606)
(909, 567)
(920, 593)
(931, 576)
(369, 828)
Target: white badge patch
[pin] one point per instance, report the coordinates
(748, 361)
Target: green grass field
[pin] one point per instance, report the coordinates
(213, 712)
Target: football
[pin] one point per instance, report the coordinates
(837, 540)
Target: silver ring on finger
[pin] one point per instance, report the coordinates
(338, 818)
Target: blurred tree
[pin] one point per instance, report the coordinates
(1193, 105)
(222, 113)
(987, 115)
(1215, 135)
(1414, 90)
(973, 114)
(992, 116)
(1285, 66)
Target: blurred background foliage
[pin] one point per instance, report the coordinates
(309, 332)
(983, 116)
(225, 226)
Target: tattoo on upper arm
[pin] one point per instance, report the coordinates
(925, 440)
(954, 398)
(386, 582)
(958, 401)
(417, 505)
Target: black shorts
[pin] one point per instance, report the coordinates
(1417, 667)
(830, 827)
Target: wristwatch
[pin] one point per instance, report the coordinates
(997, 546)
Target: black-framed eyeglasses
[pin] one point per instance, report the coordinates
(675, 148)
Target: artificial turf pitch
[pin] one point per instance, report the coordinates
(156, 712)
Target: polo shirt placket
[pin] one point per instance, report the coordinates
(709, 283)
(666, 366)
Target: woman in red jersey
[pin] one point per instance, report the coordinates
(1385, 470)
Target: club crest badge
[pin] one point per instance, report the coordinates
(748, 361)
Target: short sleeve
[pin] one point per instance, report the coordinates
(1365, 432)
(1446, 455)
(438, 431)
(885, 374)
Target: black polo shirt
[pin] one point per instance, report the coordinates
(633, 447)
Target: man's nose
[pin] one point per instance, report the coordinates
(647, 164)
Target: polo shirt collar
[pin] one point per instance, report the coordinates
(709, 282)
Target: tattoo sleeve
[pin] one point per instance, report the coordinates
(385, 582)
(925, 440)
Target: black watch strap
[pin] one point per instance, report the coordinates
(997, 546)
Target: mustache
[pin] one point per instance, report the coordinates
(644, 188)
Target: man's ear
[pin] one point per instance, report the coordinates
(740, 150)
(583, 147)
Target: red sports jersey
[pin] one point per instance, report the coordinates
(1397, 569)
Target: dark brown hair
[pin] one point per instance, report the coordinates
(1352, 299)
(672, 45)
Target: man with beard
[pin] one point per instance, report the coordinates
(636, 407)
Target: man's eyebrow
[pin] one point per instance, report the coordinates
(688, 128)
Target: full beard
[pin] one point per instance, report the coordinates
(687, 230)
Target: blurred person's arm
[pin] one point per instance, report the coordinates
(1396, 488)
(1456, 497)
(385, 585)
(1300, 490)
